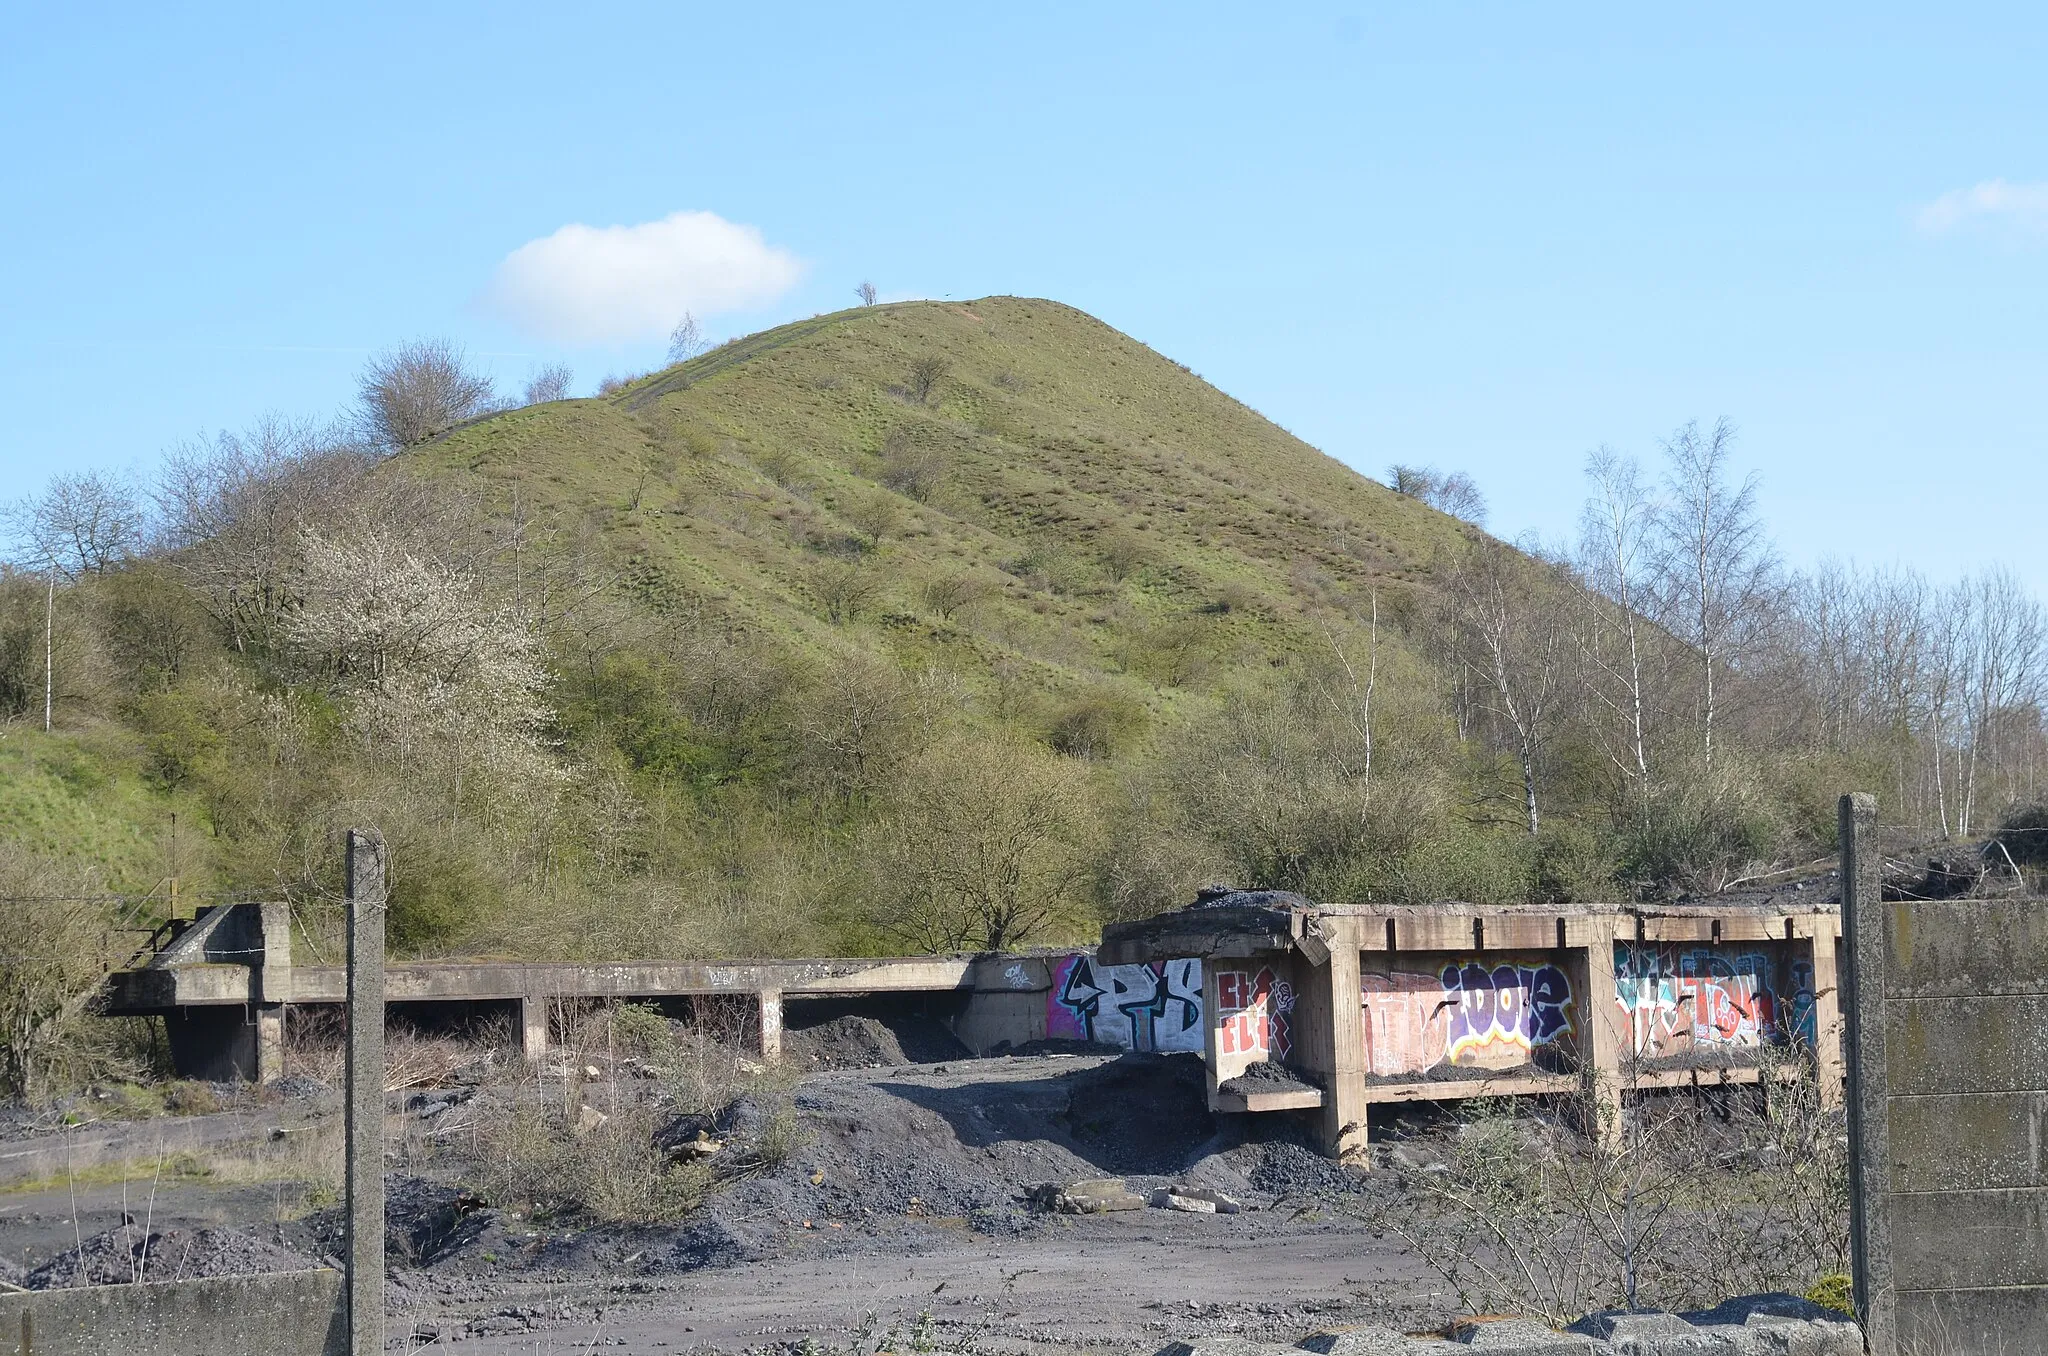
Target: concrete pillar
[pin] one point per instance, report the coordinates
(1870, 1239)
(269, 1042)
(1608, 1052)
(364, 1154)
(1344, 1109)
(533, 1026)
(1828, 1040)
(1211, 1053)
(770, 1001)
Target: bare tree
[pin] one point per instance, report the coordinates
(231, 512)
(1506, 629)
(912, 470)
(985, 843)
(875, 516)
(945, 595)
(925, 376)
(866, 293)
(1349, 693)
(1451, 492)
(1715, 565)
(686, 340)
(1614, 559)
(419, 389)
(549, 384)
(2005, 672)
(83, 523)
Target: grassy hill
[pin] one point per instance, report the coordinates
(1108, 516)
(923, 625)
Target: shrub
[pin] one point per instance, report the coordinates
(2023, 833)
(615, 1172)
(1694, 834)
(925, 376)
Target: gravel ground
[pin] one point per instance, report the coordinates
(906, 1192)
(858, 1042)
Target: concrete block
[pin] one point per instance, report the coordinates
(1961, 1143)
(1196, 1200)
(1648, 1334)
(1951, 947)
(1093, 1196)
(1990, 1321)
(291, 1313)
(1522, 1336)
(1985, 1043)
(1224, 1346)
(1779, 1325)
(1372, 1341)
(1971, 1239)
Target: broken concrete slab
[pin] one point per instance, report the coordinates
(1372, 1341)
(1225, 1346)
(1091, 1196)
(1758, 1325)
(1522, 1336)
(1196, 1200)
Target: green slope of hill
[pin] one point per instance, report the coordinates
(913, 626)
(1105, 513)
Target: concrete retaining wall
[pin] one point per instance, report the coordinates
(1948, 1100)
(293, 1313)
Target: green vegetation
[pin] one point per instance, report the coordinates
(910, 626)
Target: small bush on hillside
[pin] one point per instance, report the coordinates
(1695, 834)
(912, 471)
(416, 390)
(925, 375)
(1096, 725)
(55, 949)
(947, 595)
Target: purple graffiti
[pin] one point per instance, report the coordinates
(1525, 1005)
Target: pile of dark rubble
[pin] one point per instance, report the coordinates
(133, 1253)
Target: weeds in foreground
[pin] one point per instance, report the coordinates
(611, 1170)
(1693, 1197)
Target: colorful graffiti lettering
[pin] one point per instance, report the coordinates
(1468, 1013)
(1139, 1007)
(1256, 1014)
(1518, 1006)
(1700, 996)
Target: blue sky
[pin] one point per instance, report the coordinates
(1484, 236)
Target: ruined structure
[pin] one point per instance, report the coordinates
(1331, 1009)
(1324, 1010)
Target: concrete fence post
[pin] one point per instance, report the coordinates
(364, 1156)
(768, 1003)
(1863, 989)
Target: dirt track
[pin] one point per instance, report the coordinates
(908, 1195)
(1122, 1284)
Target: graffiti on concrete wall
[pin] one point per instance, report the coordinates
(1679, 997)
(1140, 1007)
(1469, 1013)
(1255, 1014)
(1515, 1007)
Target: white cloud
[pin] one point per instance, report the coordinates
(609, 284)
(2023, 205)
